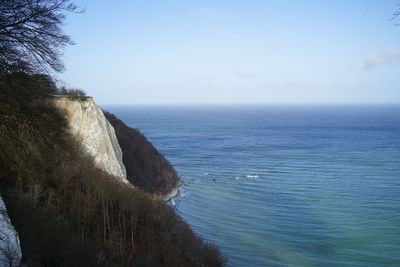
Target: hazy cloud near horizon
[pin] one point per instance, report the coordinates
(246, 74)
(388, 57)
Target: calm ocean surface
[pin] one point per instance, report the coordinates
(328, 186)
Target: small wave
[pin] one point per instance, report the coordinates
(188, 181)
(252, 176)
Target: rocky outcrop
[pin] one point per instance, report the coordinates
(10, 250)
(90, 127)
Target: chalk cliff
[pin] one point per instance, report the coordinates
(90, 127)
(10, 250)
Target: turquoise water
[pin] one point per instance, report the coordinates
(328, 186)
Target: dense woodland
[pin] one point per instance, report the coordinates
(70, 213)
(145, 166)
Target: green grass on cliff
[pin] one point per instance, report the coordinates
(68, 212)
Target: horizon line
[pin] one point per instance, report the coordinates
(258, 104)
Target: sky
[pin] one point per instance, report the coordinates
(234, 52)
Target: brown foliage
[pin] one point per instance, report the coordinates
(145, 166)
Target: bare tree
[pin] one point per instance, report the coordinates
(396, 15)
(31, 38)
(71, 92)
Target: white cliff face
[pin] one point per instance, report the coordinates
(10, 250)
(92, 129)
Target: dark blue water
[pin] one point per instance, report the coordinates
(328, 186)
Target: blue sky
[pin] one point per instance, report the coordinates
(249, 51)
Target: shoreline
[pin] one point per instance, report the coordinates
(174, 193)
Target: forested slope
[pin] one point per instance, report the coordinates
(145, 166)
(70, 213)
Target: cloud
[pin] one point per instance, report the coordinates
(201, 78)
(245, 74)
(208, 13)
(387, 57)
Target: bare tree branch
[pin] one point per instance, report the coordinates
(396, 15)
(31, 38)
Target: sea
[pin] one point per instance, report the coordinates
(284, 185)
